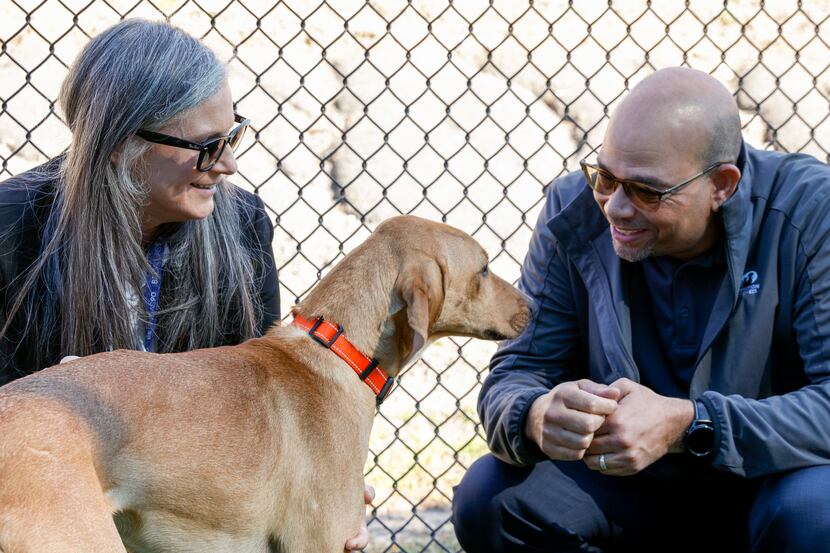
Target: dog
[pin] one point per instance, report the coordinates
(257, 447)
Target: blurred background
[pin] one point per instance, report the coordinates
(458, 111)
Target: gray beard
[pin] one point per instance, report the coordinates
(634, 255)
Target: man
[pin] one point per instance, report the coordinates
(672, 391)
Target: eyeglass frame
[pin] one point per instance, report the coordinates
(626, 183)
(203, 147)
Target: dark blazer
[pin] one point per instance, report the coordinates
(25, 204)
(763, 369)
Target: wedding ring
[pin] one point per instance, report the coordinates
(602, 466)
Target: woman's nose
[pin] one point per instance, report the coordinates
(226, 164)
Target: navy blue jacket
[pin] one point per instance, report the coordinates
(763, 369)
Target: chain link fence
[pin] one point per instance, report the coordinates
(460, 111)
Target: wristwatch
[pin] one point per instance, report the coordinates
(699, 440)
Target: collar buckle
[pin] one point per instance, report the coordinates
(384, 392)
(325, 343)
(368, 370)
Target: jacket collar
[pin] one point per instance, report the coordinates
(736, 214)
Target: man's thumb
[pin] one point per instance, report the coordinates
(601, 390)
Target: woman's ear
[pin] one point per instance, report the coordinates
(115, 156)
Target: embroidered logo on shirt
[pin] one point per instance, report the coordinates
(749, 284)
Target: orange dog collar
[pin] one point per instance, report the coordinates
(330, 335)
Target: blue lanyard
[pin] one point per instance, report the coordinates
(152, 289)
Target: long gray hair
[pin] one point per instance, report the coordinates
(136, 74)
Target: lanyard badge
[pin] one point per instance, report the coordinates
(152, 289)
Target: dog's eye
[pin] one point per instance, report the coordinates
(485, 271)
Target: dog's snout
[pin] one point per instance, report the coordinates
(517, 323)
(520, 319)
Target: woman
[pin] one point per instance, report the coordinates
(80, 235)
(133, 238)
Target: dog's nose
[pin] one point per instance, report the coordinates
(520, 320)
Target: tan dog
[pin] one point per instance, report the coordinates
(251, 448)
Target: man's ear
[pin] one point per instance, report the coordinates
(420, 287)
(725, 181)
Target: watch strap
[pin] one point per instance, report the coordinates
(700, 426)
(701, 412)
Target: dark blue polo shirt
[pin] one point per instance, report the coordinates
(671, 304)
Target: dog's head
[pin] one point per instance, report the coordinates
(445, 287)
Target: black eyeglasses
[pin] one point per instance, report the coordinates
(210, 151)
(641, 194)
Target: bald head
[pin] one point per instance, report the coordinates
(677, 131)
(683, 109)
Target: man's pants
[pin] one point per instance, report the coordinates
(561, 506)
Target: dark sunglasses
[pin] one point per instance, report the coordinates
(641, 194)
(210, 151)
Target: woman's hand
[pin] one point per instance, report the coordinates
(361, 539)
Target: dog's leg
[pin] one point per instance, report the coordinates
(310, 538)
(325, 525)
(62, 510)
(51, 499)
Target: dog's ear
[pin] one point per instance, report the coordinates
(420, 287)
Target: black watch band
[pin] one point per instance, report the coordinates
(699, 440)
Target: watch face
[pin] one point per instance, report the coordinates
(700, 440)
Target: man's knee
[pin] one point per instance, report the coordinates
(474, 507)
(792, 513)
(500, 507)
